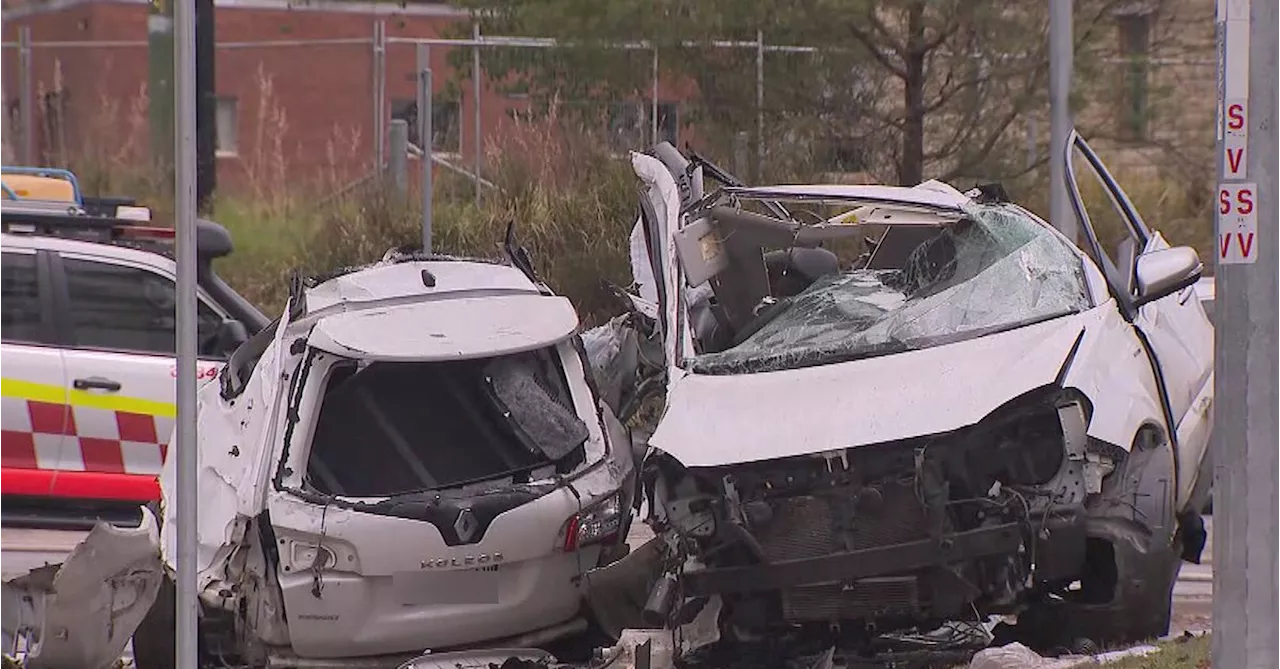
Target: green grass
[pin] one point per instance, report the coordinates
(1190, 653)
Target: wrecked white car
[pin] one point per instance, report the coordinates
(411, 458)
(965, 415)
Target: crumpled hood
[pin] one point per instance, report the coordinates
(737, 418)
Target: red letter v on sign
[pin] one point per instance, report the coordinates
(1245, 246)
(1224, 245)
(1234, 158)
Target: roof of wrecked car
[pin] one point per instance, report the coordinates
(448, 279)
(449, 329)
(928, 195)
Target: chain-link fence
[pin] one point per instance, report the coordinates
(298, 110)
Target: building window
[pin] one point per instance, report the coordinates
(228, 126)
(626, 129)
(668, 123)
(446, 123)
(446, 126)
(1135, 51)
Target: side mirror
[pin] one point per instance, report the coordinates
(1166, 271)
(231, 334)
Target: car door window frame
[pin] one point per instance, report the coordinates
(1137, 228)
(62, 298)
(49, 333)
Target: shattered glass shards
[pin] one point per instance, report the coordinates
(613, 353)
(995, 270)
(549, 426)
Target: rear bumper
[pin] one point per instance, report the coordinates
(363, 615)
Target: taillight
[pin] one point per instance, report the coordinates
(595, 524)
(146, 232)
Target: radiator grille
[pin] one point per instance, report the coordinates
(812, 526)
(866, 598)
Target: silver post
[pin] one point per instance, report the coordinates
(184, 105)
(1245, 343)
(5, 128)
(759, 105)
(398, 145)
(1061, 54)
(27, 96)
(379, 93)
(653, 104)
(424, 137)
(475, 83)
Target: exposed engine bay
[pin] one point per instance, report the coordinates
(886, 536)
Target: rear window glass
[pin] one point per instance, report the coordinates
(394, 428)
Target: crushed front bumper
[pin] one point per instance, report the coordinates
(849, 567)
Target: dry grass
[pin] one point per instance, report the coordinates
(573, 202)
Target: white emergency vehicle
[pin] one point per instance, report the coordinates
(87, 359)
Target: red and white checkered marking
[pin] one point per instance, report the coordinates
(66, 438)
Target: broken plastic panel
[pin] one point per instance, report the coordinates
(995, 270)
(394, 428)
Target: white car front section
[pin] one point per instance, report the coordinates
(837, 453)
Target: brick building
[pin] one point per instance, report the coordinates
(295, 84)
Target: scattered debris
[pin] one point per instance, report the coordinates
(1117, 655)
(1018, 656)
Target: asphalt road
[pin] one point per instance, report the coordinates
(1193, 594)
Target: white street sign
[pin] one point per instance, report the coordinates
(1235, 139)
(1237, 223)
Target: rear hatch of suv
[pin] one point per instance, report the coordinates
(441, 473)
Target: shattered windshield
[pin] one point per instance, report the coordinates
(393, 428)
(996, 269)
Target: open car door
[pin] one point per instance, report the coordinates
(1175, 326)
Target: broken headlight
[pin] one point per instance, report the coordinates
(598, 523)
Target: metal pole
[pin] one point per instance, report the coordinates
(27, 96)
(160, 86)
(1245, 426)
(398, 145)
(379, 93)
(475, 94)
(7, 129)
(653, 104)
(424, 136)
(1060, 57)
(759, 105)
(184, 105)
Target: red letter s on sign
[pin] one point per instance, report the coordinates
(1235, 117)
(1224, 201)
(1244, 201)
